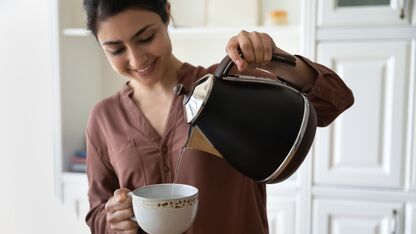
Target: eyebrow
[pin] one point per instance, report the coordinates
(140, 31)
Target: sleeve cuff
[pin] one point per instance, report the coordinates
(321, 87)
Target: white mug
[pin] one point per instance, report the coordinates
(165, 208)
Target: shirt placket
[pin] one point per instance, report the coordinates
(165, 165)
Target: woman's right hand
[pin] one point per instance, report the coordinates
(119, 212)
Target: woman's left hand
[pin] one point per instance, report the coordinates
(256, 48)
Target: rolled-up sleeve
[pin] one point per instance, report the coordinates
(329, 95)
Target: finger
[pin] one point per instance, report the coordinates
(120, 215)
(114, 204)
(244, 43)
(126, 225)
(121, 193)
(232, 52)
(133, 231)
(128, 232)
(267, 42)
(257, 47)
(110, 205)
(275, 49)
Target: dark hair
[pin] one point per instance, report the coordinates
(99, 10)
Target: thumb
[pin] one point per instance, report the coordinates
(121, 194)
(121, 197)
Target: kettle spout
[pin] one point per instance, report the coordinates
(197, 140)
(194, 102)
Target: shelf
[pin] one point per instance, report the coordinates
(76, 32)
(366, 33)
(357, 192)
(81, 32)
(74, 177)
(186, 30)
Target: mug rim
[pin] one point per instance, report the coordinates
(194, 194)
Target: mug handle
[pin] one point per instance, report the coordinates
(130, 194)
(226, 64)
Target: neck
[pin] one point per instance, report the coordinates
(164, 85)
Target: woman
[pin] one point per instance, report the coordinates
(134, 137)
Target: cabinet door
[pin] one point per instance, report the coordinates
(359, 13)
(412, 168)
(282, 214)
(414, 13)
(413, 159)
(365, 145)
(356, 217)
(410, 221)
(75, 194)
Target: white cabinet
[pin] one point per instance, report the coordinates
(356, 217)
(362, 162)
(75, 193)
(363, 13)
(75, 196)
(364, 146)
(283, 214)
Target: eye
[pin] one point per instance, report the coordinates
(116, 52)
(147, 39)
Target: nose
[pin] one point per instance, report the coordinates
(136, 59)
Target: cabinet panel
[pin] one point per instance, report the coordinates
(414, 13)
(410, 220)
(282, 214)
(75, 194)
(413, 163)
(364, 146)
(412, 167)
(359, 13)
(347, 217)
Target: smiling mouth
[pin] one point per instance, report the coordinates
(147, 69)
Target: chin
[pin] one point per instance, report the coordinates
(147, 80)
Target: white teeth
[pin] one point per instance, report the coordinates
(145, 69)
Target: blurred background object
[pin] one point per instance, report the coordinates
(276, 17)
(29, 203)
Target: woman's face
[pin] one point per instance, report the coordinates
(137, 44)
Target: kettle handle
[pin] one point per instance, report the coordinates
(226, 64)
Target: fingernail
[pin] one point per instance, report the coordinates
(240, 65)
(120, 197)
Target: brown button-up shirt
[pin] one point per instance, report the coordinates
(125, 151)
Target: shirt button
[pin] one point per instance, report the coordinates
(164, 149)
(166, 169)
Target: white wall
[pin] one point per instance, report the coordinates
(27, 200)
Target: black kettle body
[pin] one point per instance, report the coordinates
(263, 128)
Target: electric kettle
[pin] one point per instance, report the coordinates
(264, 128)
